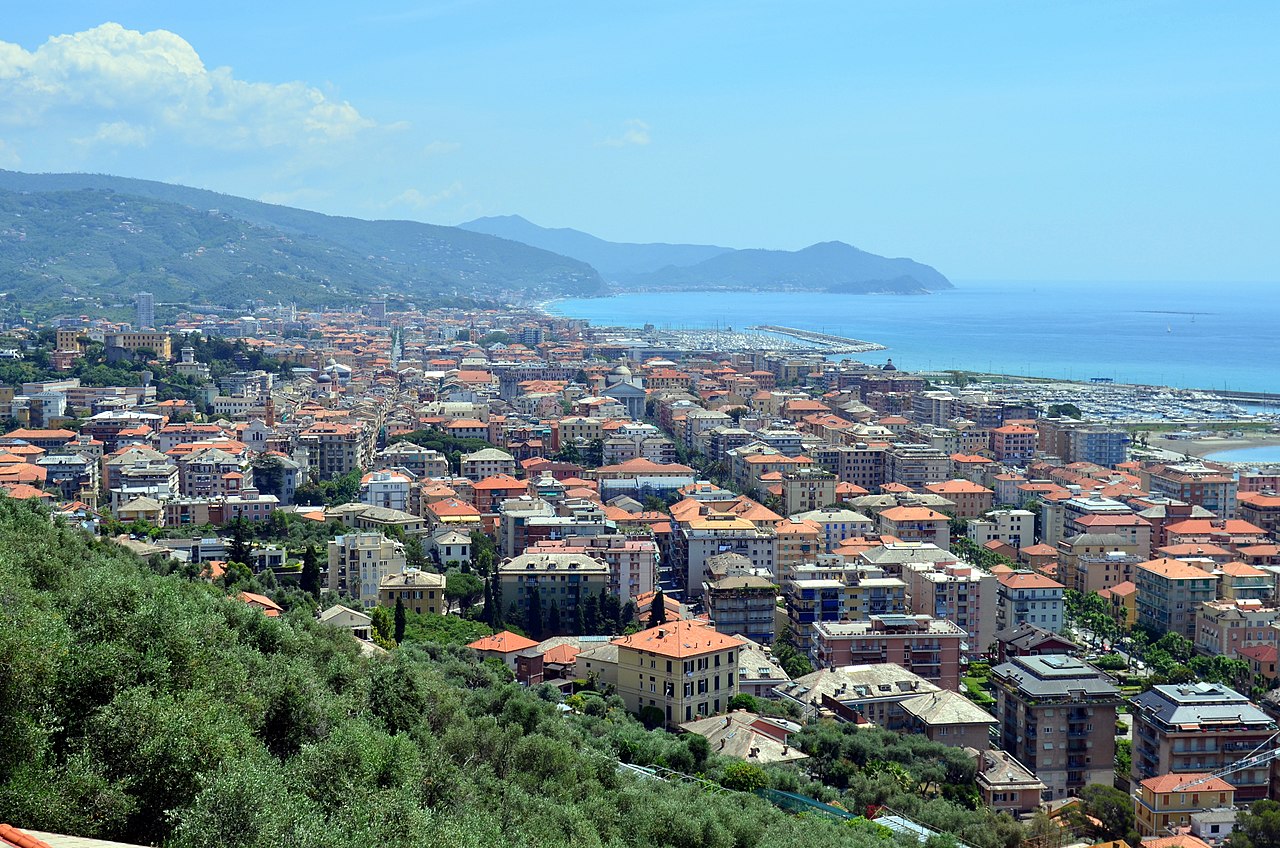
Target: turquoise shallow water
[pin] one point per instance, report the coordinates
(1196, 335)
(1261, 455)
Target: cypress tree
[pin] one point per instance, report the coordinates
(533, 620)
(553, 619)
(401, 619)
(310, 580)
(658, 612)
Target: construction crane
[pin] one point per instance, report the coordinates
(1249, 761)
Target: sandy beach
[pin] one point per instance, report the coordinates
(1212, 444)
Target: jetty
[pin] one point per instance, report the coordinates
(842, 344)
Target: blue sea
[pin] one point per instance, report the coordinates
(1192, 335)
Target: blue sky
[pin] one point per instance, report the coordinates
(1038, 141)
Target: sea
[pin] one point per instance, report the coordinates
(1213, 336)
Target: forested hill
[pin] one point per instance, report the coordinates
(102, 238)
(145, 705)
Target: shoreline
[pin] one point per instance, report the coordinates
(1206, 447)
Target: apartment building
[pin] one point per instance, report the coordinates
(1191, 728)
(915, 465)
(1026, 597)
(388, 489)
(971, 499)
(1165, 804)
(1014, 444)
(928, 647)
(717, 533)
(685, 669)
(1057, 716)
(421, 462)
(806, 488)
(1211, 486)
(742, 605)
(561, 579)
(487, 462)
(957, 592)
(837, 524)
(359, 562)
(916, 524)
(335, 448)
(419, 591)
(861, 464)
(1224, 628)
(1015, 527)
(1170, 593)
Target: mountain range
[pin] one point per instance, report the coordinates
(97, 239)
(828, 266)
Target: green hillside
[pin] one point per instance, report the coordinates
(143, 704)
(103, 246)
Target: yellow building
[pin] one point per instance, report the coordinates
(158, 343)
(421, 591)
(1167, 802)
(685, 669)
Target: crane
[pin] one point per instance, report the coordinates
(1249, 761)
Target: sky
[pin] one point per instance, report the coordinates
(992, 140)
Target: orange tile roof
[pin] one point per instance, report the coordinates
(679, 639)
(1174, 569)
(505, 642)
(1170, 782)
(1028, 580)
(11, 836)
(913, 513)
(563, 654)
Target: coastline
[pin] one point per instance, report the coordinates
(1206, 447)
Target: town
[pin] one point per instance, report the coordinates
(735, 535)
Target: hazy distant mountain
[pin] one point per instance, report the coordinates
(68, 229)
(612, 259)
(828, 266)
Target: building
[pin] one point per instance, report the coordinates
(1016, 527)
(1224, 628)
(1014, 444)
(335, 448)
(387, 489)
(859, 694)
(717, 533)
(1057, 716)
(1006, 785)
(561, 579)
(950, 718)
(957, 592)
(145, 310)
(1190, 728)
(742, 605)
(747, 736)
(127, 345)
(1170, 592)
(806, 488)
(916, 524)
(1211, 486)
(359, 562)
(487, 462)
(505, 646)
(837, 524)
(1025, 597)
(928, 647)
(419, 591)
(971, 499)
(683, 669)
(1166, 803)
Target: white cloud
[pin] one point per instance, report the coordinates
(125, 86)
(440, 148)
(635, 132)
(118, 133)
(414, 199)
(9, 157)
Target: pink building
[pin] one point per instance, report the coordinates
(926, 646)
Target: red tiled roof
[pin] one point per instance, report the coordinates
(505, 642)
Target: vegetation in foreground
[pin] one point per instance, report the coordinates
(151, 708)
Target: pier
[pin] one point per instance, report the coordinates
(844, 343)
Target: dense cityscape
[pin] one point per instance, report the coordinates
(747, 540)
